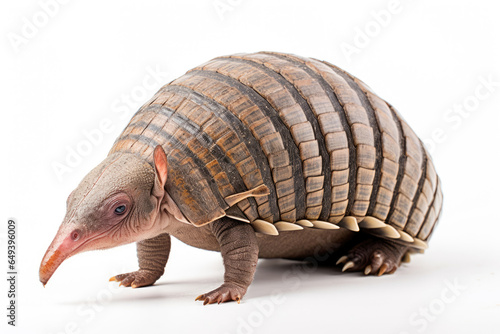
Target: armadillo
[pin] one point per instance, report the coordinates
(262, 155)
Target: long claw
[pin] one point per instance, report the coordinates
(368, 270)
(383, 269)
(200, 297)
(112, 279)
(342, 260)
(348, 265)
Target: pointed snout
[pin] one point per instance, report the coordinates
(64, 245)
(51, 261)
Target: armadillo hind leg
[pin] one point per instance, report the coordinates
(373, 256)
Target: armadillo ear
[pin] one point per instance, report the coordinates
(161, 165)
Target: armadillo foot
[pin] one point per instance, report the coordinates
(225, 293)
(373, 256)
(136, 279)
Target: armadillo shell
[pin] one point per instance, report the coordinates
(330, 152)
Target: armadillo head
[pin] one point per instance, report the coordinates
(118, 202)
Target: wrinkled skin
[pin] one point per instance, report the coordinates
(122, 200)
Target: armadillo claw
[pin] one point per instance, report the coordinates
(368, 270)
(348, 265)
(373, 256)
(225, 293)
(342, 259)
(382, 269)
(136, 279)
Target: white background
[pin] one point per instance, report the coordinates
(76, 69)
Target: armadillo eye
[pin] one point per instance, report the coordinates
(75, 235)
(120, 209)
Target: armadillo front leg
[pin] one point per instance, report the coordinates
(153, 256)
(239, 249)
